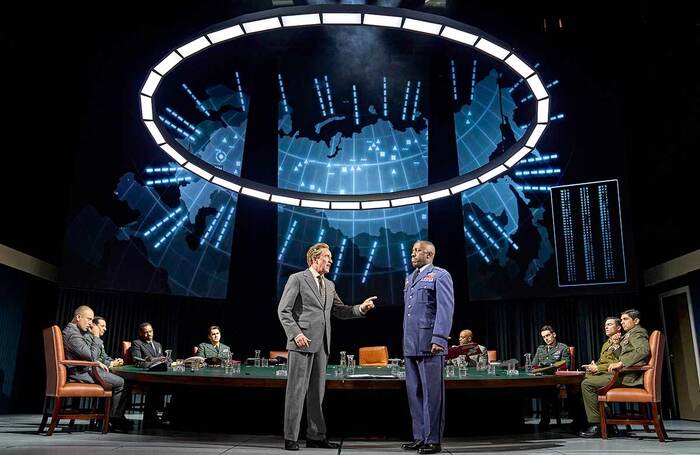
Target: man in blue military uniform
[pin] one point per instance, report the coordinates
(427, 321)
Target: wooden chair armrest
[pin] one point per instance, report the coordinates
(79, 363)
(642, 368)
(603, 390)
(99, 379)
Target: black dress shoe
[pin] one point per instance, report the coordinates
(291, 445)
(430, 448)
(592, 432)
(321, 444)
(415, 445)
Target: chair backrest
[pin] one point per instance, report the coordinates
(374, 355)
(652, 377)
(126, 352)
(56, 373)
(195, 350)
(492, 355)
(275, 354)
(572, 353)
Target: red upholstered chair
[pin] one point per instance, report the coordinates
(374, 356)
(125, 352)
(58, 388)
(275, 354)
(649, 395)
(492, 356)
(572, 353)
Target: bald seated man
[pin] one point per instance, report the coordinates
(475, 351)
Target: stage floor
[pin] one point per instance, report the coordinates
(18, 435)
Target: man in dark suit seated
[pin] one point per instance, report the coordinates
(215, 349)
(80, 344)
(145, 348)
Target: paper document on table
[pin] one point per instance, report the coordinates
(371, 376)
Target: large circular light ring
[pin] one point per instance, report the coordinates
(357, 15)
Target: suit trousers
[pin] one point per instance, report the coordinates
(306, 381)
(117, 383)
(426, 397)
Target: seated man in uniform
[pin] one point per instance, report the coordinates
(548, 354)
(79, 344)
(634, 351)
(215, 349)
(471, 350)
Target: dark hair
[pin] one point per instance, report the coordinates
(634, 314)
(143, 325)
(214, 327)
(547, 327)
(617, 320)
(97, 319)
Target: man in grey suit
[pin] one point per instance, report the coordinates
(308, 301)
(80, 344)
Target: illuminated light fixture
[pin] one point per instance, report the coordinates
(226, 184)
(285, 200)
(492, 49)
(435, 195)
(193, 168)
(179, 159)
(382, 21)
(151, 83)
(535, 136)
(261, 25)
(168, 63)
(422, 26)
(256, 194)
(459, 36)
(537, 87)
(345, 205)
(543, 110)
(519, 66)
(492, 173)
(315, 204)
(146, 107)
(376, 205)
(405, 201)
(342, 18)
(326, 15)
(225, 34)
(519, 155)
(464, 186)
(193, 46)
(301, 19)
(155, 132)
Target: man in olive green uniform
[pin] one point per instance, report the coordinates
(634, 351)
(215, 349)
(546, 355)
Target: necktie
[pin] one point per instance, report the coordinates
(415, 275)
(321, 289)
(153, 346)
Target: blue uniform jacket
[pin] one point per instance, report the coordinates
(428, 310)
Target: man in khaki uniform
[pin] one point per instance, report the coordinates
(634, 351)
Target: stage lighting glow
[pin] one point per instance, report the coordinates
(301, 19)
(492, 48)
(519, 66)
(155, 132)
(422, 26)
(315, 204)
(151, 84)
(193, 46)
(225, 34)
(536, 86)
(255, 193)
(342, 18)
(382, 21)
(464, 186)
(285, 200)
(376, 205)
(261, 25)
(405, 201)
(459, 36)
(179, 159)
(535, 136)
(492, 173)
(198, 171)
(345, 205)
(543, 110)
(146, 108)
(168, 63)
(435, 195)
(519, 155)
(226, 184)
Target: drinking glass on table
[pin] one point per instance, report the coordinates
(491, 369)
(351, 364)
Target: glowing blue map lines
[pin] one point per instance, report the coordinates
(403, 258)
(405, 100)
(168, 181)
(287, 239)
(170, 232)
(471, 94)
(284, 96)
(476, 245)
(454, 79)
(534, 172)
(153, 228)
(211, 225)
(384, 97)
(369, 262)
(227, 222)
(500, 229)
(415, 102)
(320, 96)
(240, 91)
(198, 103)
(336, 269)
(328, 95)
(355, 104)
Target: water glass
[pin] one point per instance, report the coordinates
(282, 371)
(343, 359)
(236, 368)
(481, 365)
(462, 370)
(401, 374)
(491, 369)
(528, 362)
(449, 371)
(351, 364)
(264, 363)
(257, 358)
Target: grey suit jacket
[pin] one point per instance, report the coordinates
(301, 310)
(77, 346)
(143, 350)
